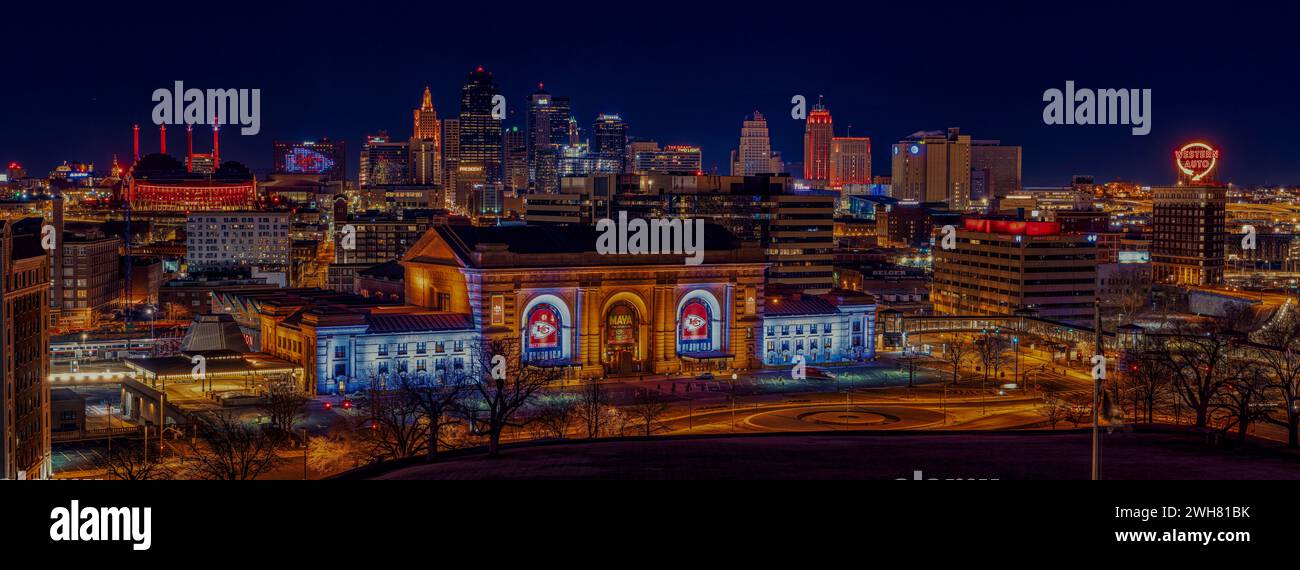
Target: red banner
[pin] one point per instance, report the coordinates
(543, 328)
(695, 321)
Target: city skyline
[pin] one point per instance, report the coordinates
(675, 92)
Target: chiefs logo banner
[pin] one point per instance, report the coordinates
(543, 328)
(695, 321)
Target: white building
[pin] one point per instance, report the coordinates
(230, 239)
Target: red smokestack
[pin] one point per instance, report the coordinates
(189, 153)
(135, 139)
(216, 153)
(162, 138)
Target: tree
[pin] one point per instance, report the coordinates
(955, 354)
(501, 383)
(128, 462)
(434, 399)
(1146, 384)
(910, 361)
(231, 450)
(1199, 361)
(992, 352)
(1243, 399)
(392, 425)
(647, 407)
(555, 415)
(593, 403)
(1280, 355)
(1077, 408)
(285, 404)
(1053, 409)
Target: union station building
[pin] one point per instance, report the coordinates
(592, 315)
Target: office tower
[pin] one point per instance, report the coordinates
(609, 141)
(480, 133)
(426, 144)
(999, 266)
(450, 158)
(25, 394)
(850, 161)
(818, 131)
(999, 167)
(516, 148)
(754, 155)
(1188, 234)
(776, 164)
(548, 130)
(637, 147)
(384, 161)
(378, 238)
(933, 166)
(325, 158)
(91, 283)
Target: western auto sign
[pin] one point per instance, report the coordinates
(695, 321)
(1196, 160)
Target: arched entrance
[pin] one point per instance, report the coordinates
(621, 339)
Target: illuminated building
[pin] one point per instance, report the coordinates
(818, 132)
(754, 155)
(227, 239)
(610, 143)
(450, 159)
(516, 149)
(999, 166)
(636, 147)
(159, 183)
(90, 280)
(386, 162)
(998, 266)
(425, 162)
(909, 224)
(672, 159)
(836, 327)
(25, 394)
(376, 239)
(850, 161)
(547, 131)
(595, 315)
(324, 158)
(933, 166)
(480, 133)
(1189, 221)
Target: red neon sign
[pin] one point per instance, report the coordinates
(1196, 160)
(1012, 227)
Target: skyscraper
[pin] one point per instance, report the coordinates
(426, 144)
(818, 131)
(1000, 167)
(850, 161)
(25, 394)
(516, 147)
(548, 131)
(450, 158)
(384, 161)
(480, 133)
(933, 166)
(755, 152)
(610, 142)
(1189, 221)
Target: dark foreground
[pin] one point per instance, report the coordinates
(874, 455)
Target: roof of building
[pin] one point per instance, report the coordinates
(798, 305)
(214, 334)
(419, 323)
(390, 270)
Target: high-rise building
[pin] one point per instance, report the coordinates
(325, 158)
(1188, 221)
(933, 166)
(480, 132)
(516, 148)
(609, 143)
(548, 131)
(25, 342)
(636, 147)
(818, 131)
(850, 161)
(999, 266)
(450, 158)
(217, 240)
(997, 166)
(426, 144)
(754, 155)
(384, 161)
(90, 278)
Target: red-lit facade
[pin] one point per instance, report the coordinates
(817, 136)
(192, 196)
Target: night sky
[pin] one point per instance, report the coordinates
(77, 79)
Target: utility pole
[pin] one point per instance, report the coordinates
(1096, 394)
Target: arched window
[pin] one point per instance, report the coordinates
(542, 336)
(695, 327)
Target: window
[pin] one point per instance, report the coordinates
(439, 347)
(340, 351)
(383, 349)
(421, 347)
(401, 349)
